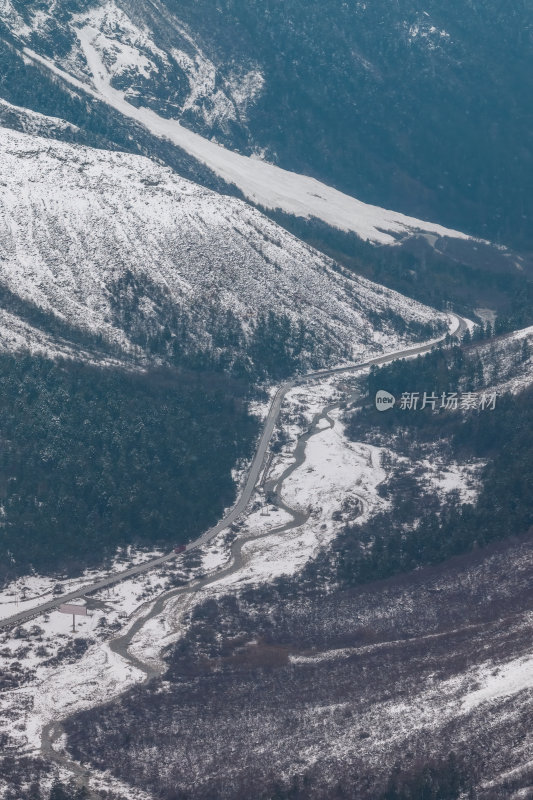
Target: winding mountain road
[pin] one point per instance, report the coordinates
(53, 732)
(247, 490)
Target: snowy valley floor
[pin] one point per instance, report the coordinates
(49, 672)
(422, 664)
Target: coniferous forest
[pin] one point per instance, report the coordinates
(95, 458)
(419, 530)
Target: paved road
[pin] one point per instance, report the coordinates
(247, 491)
(53, 733)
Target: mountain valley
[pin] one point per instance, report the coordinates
(232, 235)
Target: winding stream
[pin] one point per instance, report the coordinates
(53, 732)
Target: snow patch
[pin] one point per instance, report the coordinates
(264, 184)
(501, 681)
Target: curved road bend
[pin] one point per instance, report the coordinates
(247, 491)
(120, 645)
(53, 731)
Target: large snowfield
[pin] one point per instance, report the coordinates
(111, 45)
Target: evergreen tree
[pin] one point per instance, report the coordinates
(59, 791)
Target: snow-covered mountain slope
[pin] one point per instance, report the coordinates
(124, 251)
(123, 54)
(149, 53)
(31, 122)
(264, 184)
(508, 361)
